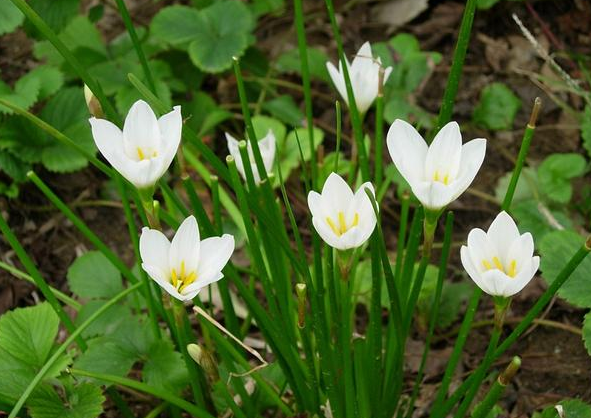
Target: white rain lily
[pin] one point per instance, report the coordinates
(143, 151)
(342, 219)
(500, 261)
(440, 173)
(364, 75)
(186, 265)
(267, 146)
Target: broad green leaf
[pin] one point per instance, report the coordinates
(17, 169)
(289, 153)
(497, 107)
(223, 32)
(62, 158)
(587, 332)
(85, 400)
(532, 217)
(556, 249)
(105, 355)
(285, 109)
(262, 125)
(50, 80)
(262, 7)
(165, 368)
(289, 62)
(56, 13)
(25, 93)
(10, 17)
(586, 129)
(176, 25)
(135, 336)
(555, 173)
(108, 323)
(92, 276)
(28, 334)
(573, 408)
(525, 189)
(399, 107)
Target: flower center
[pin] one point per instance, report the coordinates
(180, 279)
(441, 179)
(144, 154)
(496, 264)
(341, 227)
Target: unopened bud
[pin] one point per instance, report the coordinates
(510, 371)
(94, 107)
(301, 293)
(205, 360)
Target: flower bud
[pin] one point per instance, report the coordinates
(301, 293)
(204, 358)
(94, 107)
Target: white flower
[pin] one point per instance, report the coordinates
(363, 73)
(500, 261)
(144, 150)
(267, 147)
(342, 219)
(186, 265)
(439, 173)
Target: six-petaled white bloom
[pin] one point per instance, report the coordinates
(342, 219)
(439, 173)
(186, 265)
(267, 146)
(364, 75)
(500, 261)
(144, 150)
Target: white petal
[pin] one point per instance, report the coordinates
(140, 129)
(162, 279)
(472, 157)
(445, 153)
(336, 193)
(327, 234)
(440, 195)
(408, 151)
(315, 204)
(471, 269)
(480, 248)
(194, 288)
(267, 146)
(109, 141)
(171, 125)
(338, 79)
(154, 248)
(521, 250)
(185, 246)
(517, 283)
(213, 256)
(496, 282)
(387, 73)
(502, 233)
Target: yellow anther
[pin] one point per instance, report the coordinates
(512, 269)
(342, 226)
(140, 154)
(498, 264)
(486, 264)
(181, 280)
(332, 226)
(436, 176)
(446, 179)
(155, 154)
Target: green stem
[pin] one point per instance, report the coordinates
(194, 410)
(455, 74)
(497, 389)
(39, 280)
(78, 223)
(305, 71)
(69, 57)
(72, 303)
(434, 310)
(355, 116)
(136, 43)
(62, 348)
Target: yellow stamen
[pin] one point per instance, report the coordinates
(174, 277)
(512, 269)
(498, 264)
(332, 226)
(436, 176)
(342, 226)
(140, 154)
(181, 280)
(446, 179)
(486, 264)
